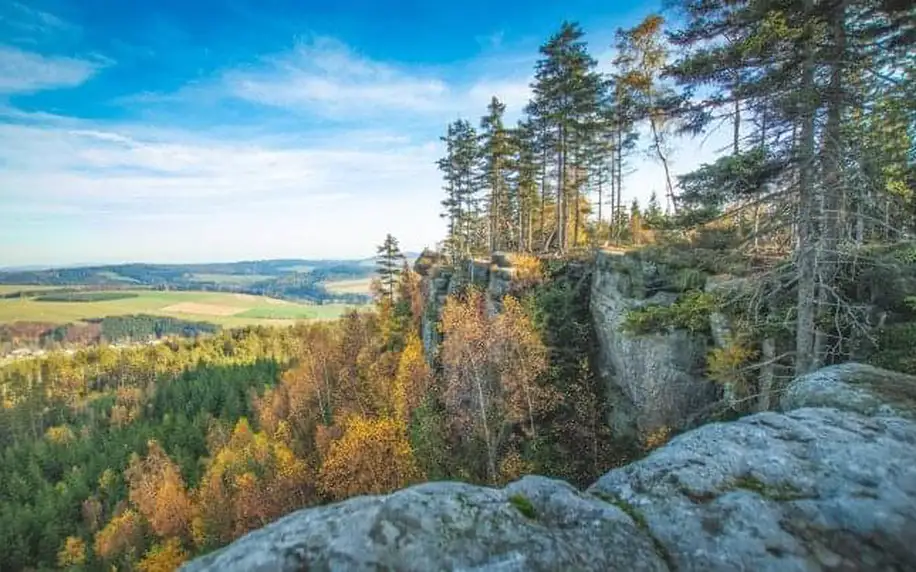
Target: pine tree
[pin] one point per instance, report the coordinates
(389, 261)
(496, 156)
(566, 96)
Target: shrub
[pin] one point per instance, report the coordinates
(690, 312)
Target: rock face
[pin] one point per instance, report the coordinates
(532, 524)
(494, 277)
(654, 381)
(829, 488)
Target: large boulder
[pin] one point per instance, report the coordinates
(533, 524)
(830, 487)
(854, 387)
(655, 381)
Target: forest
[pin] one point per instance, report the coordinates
(140, 458)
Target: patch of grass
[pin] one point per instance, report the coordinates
(781, 493)
(524, 506)
(690, 312)
(86, 297)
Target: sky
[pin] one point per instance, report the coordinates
(205, 130)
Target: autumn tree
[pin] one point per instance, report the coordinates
(158, 492)
(252, 480)
(165, 557)
(372, 457)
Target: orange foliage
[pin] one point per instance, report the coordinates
(252, 480)
(490, 369)
(122, 536)
(372, 457)
(520, 358)
(72, 553)
(158, 492)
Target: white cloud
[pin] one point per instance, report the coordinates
(326, 78)
(184, 196)
(24, 72)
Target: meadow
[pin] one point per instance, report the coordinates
(222, 308)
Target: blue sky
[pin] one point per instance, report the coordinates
(181, 130)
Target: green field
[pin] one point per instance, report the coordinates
(356, 286)
(225, 309)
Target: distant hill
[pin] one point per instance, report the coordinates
(293, 278)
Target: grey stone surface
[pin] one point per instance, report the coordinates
(654, 380)
(448, 526)
(854, 387)
(812, 489)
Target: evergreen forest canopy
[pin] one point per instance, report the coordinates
(140, 458)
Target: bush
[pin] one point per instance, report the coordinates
(690, 312)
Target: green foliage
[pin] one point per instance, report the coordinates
(113, 404)
(523, 505)
(142, 326)
(85, 297)
(894, 349)
(690, 312)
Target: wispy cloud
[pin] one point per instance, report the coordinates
(327, 78)
(25, 72)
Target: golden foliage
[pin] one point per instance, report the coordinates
(656, 438)
(727, 365)
(60, 434)
(527, 270)
(158, 492)
(121, 536)
(72, 553)
(166, 557)
(372, 457)
(413, 380)
(513, 467)
(252, 480)
(520, 357)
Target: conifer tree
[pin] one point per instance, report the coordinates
(388, 264)
(496, 155)
(566, 96)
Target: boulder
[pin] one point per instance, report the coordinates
(854, 387)
(533, 524)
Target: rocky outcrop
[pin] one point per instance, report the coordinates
(816, 488)
(440, 280)
(654, 381)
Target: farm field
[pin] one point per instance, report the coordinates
(224, 309)
(11, 288)
(356, 286)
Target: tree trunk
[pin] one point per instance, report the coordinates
(767, 374)
(807, 217)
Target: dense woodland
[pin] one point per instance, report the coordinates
(139, 458)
